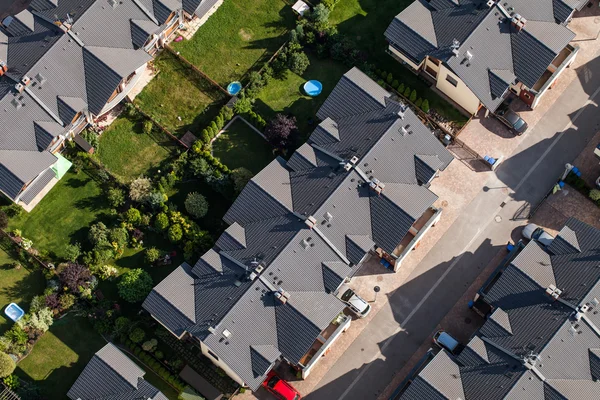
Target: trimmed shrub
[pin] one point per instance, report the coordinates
(407, 91)
(139, 189)
(133, 216)
(137, 335)
(7, 365)
(389, 78)
(419, 102)
(299, 62)
(116, 197)
(175, 233)
(395, 84)
(196, 205)
(147, 127)
(72, 252)
(595, 194)
(383, 74)
(135, 285)
(425, 106)
(152, 254)
(161, 222)
(400, 88)
(413, 96)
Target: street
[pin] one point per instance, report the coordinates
(492, 219)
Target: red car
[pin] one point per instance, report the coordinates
(280, 388)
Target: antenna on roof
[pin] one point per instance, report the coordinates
(69, 19)
(455, 46)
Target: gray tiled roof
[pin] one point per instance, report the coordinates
(36, 187)
(429, 29)
(110, 374)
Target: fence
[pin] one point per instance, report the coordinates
(162, 128)
(19, 248)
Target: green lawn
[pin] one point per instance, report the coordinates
(178, 92)
(128, 152)
(365, 21)
(241, 146)
(286, 95)
(64, 215)
(60, 355)
(240, 36)
(16, 286)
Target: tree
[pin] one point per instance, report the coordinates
(152, 254)
(227, 113)
(240, 176)
(75, 276)
(98, 234)
(419, 102)
(72, 252)
(299, 62)
(7, 365)
(3, 220)
(116, 197)
(205, 136)
(161, 222)
(395, 84)
(219, 121)
(135, 285)
(413, 96)
(133, 216)
(196, 205)
(389, 78)
(119, 236)
(137, 335)
(139, 189)
(401, 88)
(425, 106)
(147, 127)
(407, 91)
(320, 15)
(279, 130)
(175, 233)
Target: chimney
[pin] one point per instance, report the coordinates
(3, 67)
(282, 295)
(517, 22)
(311, 222)
(25, 80)
(490, 3)
(377, 186)
(19, 87)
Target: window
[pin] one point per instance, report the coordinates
(213, 355)
(452, 81)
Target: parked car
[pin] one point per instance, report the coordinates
(355, 303)
(534, 232)
(511, 119)
(445, 341)
(280, 388)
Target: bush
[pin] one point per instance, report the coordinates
(299, 62)
(220, 122)
(91, 138)
(72, 252)
(7, 365)
(240, 176)
(413, 95)
(595, 194)
(98, 234)
(419, 102)
(116, 197)
(279, 130)
(152, 254)
(196, 205)
(175, 233)
(135, 285)
(67, 301)
(150, 345)
(107, 272)
(425, 106)
(395, 84)
(159, 354)
(161, 222)
(75, 276)
(226, 113)
(205, 136)
(133, 216)
(12, 382)
(383, 74)
(147, 127)
(389, 78)
(400, 88)
(407, 92)
(139, 189)
(242, 105)
(3, 220)
(330, 4)
(137, 335)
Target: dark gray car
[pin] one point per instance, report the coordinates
(511, 119)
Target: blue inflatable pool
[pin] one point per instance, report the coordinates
(234, 88)
(313, 88)
(14, 312)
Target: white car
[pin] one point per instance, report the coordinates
(534, 232)
(355, 303)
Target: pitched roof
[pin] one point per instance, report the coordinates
(111, 374)
(498, 54)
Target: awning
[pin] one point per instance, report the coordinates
(61, 166)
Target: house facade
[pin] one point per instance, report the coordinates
(63, 65)
(541, 338)
(110, 374)
(266, 292)
(475, 52)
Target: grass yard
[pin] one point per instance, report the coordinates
(179, 92)
(241, 146)
(16, 286)
(287, 96)
(64, 215)
(60, 355)
(240, 36)
(128, 152)
(365, 21)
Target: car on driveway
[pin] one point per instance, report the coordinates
(511, 119)
(280, 388)
(445, 341)
(355, 303)
(534, 232)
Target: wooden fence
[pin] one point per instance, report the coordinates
(19, 248)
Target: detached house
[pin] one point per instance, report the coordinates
(64, 64)
(476, 51)
(541, 339)
(110, 374)
(266, 292)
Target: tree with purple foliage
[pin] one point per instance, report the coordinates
(52, 301)
(280, 129)
(75, 276)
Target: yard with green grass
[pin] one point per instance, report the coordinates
(364, 22)
(241, 146)
(128, 152)
(16, 285)
(64, 215)
(179, 98)
(287, 96)
(239, 37)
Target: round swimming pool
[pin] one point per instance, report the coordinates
(313, 88)
(234, 88)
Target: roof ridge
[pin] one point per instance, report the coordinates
(114, 370)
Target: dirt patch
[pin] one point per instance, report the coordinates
(245, 34)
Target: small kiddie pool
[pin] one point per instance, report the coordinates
(313, 88)
(14, 312)
(234, 88)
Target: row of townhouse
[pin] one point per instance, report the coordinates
(64, 64)
(266, 292)
(476, 52)
(541, 339)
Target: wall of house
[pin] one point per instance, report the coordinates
(321, 353)
(219, 363)
(404, 59)
(559, 70)
(121, 95)
(431, 223)
(460, 93)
